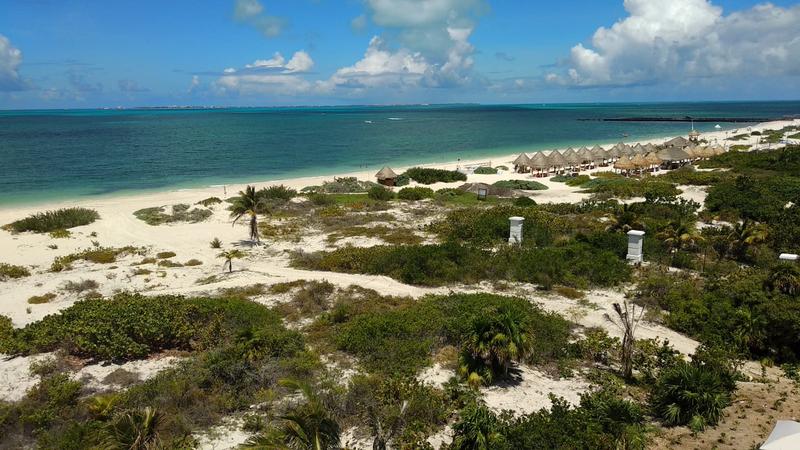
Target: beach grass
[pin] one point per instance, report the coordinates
(10, 271)
(50, 221)
(179, 213)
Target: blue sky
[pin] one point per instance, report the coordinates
(69, 53)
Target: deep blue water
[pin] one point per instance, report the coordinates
(55, 154)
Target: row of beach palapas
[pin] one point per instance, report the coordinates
(630, 160)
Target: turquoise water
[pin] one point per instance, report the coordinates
(65, 154)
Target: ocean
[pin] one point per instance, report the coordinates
(64, 154)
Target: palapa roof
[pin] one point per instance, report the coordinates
(717, 149)
(539, 161)
(598, 152)
(652, 158)
(650, 148)
(624, 163)
(557, 159)
(522, 160)
(679, 141)
(639, 149)
(673, 154)
(639, 161)
(585, 154)
(614, 152)
(572, 156)
(385, 173)
(693, 151)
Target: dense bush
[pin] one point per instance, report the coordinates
(415, 193)
(485, 171)
(523, 185)
(430, 176)
(524, 202)
(402, 180)
(133, 326)
(691, 394)
(689, 176)
(98, 255)
(344, 185)
(179, 213)
(380, 193)
(575, 264)
(631, 187)
(602, 421)
(402, 340)
(48, 221)
(210, 201)
(10, 271)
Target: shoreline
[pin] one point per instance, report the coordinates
(191, 194)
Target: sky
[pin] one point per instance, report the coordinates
(89, 54)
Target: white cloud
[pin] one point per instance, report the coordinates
(380, 67)
(252, 13)
(359, 23)
(194, 85)
(663, 40)
(268, 76)
(10, 59)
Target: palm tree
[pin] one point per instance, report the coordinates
(680, 234)
(308, 427)
(494, 342)
(229, 256)
(135, 430)
(627, 320)
(785, 278)
(476, 430)
(246, 204)
(625, 219)
(690, 394)
(743, 235)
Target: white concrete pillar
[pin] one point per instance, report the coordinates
(515, 236)
(635, 244)
(788, 257)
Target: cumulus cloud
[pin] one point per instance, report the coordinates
(252, 12)
(381, 67)
(275, 75)
(10, 59)
(662, 40)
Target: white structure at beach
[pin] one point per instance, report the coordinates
(635, 243)
(789, 257)
(515, 236)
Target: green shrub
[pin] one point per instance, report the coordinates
(60, 219)
(193, 262)
(631, 187)
(319, 199)
(576, 264)
(39, 299)
(524, 185)
(524, 202)
(485, 171)
(168, 263)
(344, 185)
(689, 176)
(60, 234)
(215, 243)
(10, 271)
(430, 176)
(180, 213)
(570, 180)
(402, 340)
(380, 193)
(415, 193)
(402, 180)
(691, 394)
(165, 255)
(99, 255)
(210, 201)
(133, 326)
(280, 193)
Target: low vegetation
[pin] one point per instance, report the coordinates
(524, 185)
(49, 221)
(485, 171)
(430, 176)
(98, 255)
(10, 271)
(179, 213)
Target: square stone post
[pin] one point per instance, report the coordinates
(515, 235)
(635, 244)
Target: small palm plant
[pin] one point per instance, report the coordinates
(690, 394)
(246, 204)
(229, 256)
(135, 430)
(478, 429)
(493, 344)
(308, 427)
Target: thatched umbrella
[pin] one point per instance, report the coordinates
(653, 159)
(679, 142)
(650, 148)
(624, 163)
(585, 155)
(638, 149)
(639, 161)
(386, 176)
(540, 162)
(673, 154)
(614, 152)
(572, 157)
(522, 161)
(717, 149)
(557, 160)
(704, 152)
(692, 151)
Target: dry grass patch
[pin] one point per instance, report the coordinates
(44, 298)
(394, 236)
